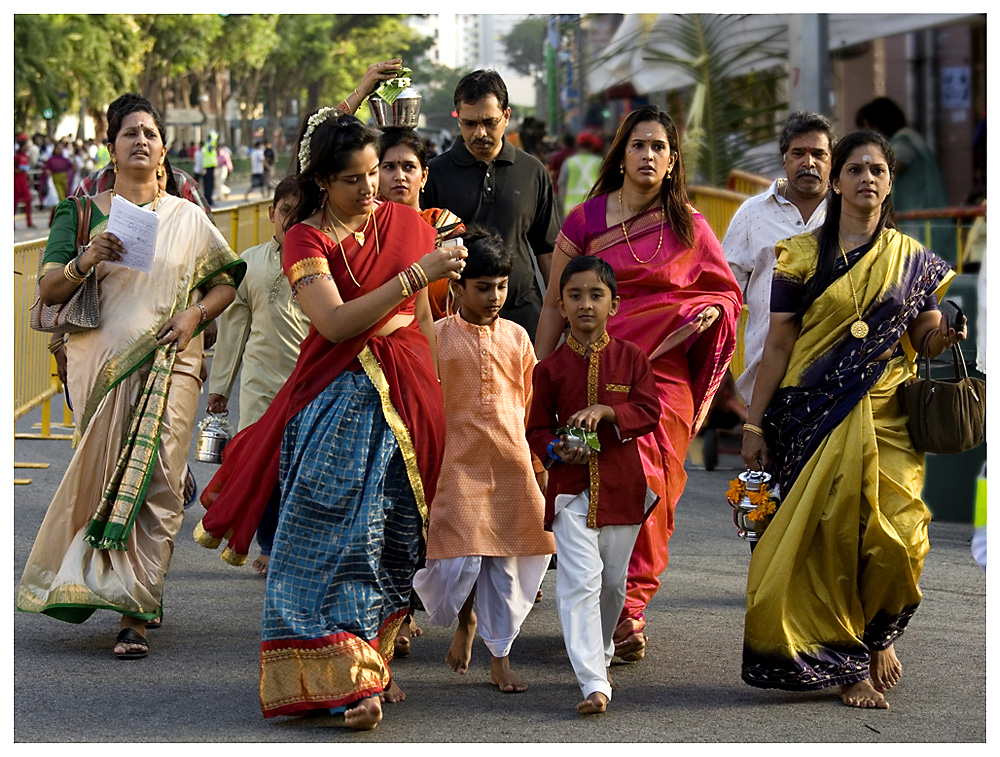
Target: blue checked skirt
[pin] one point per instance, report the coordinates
(345, 550)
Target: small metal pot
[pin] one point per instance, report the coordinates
(403, 111)
(751, 530)
(213, 436)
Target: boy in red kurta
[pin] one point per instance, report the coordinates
(597, 496)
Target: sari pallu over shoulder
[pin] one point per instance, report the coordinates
(134, 305)
(399, 365)
(829, 370)
(663, 289)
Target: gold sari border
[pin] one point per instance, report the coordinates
(341, 671)
(399, 430)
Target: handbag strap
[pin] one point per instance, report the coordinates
(83, 220)
(961, 369)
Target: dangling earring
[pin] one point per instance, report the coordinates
(621, 169)
(114, 163)
(160, 171)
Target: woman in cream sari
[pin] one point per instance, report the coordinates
(833, 580)
(107, 538)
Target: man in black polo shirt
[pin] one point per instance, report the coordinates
(487, 181)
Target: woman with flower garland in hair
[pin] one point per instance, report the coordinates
(353, 439)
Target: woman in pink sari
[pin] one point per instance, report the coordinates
(679, 303)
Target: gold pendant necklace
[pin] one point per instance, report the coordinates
(328, 229)
(859, 329)
(359, 235)
(621, 207)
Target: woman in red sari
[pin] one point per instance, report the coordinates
(679, 303)
(353, 440)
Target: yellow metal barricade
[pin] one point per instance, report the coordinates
(35, 378)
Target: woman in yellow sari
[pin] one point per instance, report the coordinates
(107, 538)
(834, 579)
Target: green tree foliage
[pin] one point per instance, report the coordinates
(65, 61)
(525, 46)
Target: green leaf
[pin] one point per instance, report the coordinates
(589, 437)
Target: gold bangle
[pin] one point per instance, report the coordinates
(56, 344)
(423, 276)
(753, 429)
(406, 286)
(70, 272)
(204, 313)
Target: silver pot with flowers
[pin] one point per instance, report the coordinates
(214, 433)
(753, 504)
(395, 102)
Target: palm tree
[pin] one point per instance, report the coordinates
(724, 73)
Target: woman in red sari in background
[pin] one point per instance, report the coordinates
(679, 303)
(353, 439)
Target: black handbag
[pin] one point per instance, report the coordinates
(81, 312)
(945, 415)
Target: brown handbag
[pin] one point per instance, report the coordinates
(81, 312)
(945, 415)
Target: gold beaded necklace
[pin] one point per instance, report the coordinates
(621, 206)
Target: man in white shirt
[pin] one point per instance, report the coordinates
(790, 206)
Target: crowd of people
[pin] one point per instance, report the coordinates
(452, 383)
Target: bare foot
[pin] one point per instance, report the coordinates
(401, 646)
(260, 564)
(504, 678)
(885, 669)
(593, 704)
(460, 651)
(610, 682)
(862, 694)
(415, 630)
(393, 694)
(365, 716)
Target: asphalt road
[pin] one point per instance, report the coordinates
(199, 683)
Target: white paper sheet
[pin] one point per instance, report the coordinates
(136, 228)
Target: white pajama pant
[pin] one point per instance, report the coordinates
(505, 587)
(590, 589)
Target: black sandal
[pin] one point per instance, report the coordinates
(129, 636)
(155, 622)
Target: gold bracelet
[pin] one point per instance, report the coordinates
(56, 344)
(753, 429)
(406, 287)
(70, 272)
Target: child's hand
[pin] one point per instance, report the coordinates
(569, 450)
(589, 417)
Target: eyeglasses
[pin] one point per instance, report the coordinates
(487, 123)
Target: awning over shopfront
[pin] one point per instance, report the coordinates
(630, 58)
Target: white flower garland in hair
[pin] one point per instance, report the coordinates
(314, 120)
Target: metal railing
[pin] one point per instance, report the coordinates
(35, 378)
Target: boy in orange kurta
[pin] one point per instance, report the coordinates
(487, 549)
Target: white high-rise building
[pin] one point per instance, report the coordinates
(469, 41)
